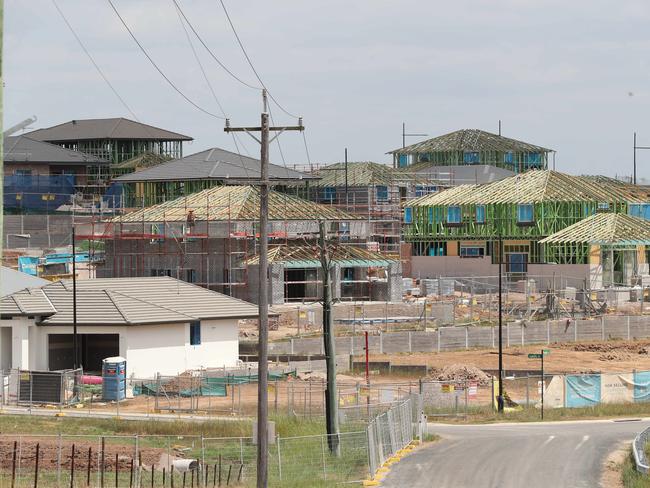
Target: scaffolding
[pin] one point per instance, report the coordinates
(207, 238)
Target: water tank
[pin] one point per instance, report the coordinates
(114, 379)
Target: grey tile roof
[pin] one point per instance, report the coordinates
(116, 128)
(125, 301)
(12, 281)
(23, 149)
(212, 164)
(470, 140)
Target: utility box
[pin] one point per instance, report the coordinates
(114, 379)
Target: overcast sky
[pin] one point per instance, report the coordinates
(570, 75)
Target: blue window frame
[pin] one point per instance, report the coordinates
(525, 213)
(329, 193)
(408, 215)
(454, 215)
(480, 214)
(195, 333)
(403, 160)
(382, 193)
(472, 251)
(471, 157)
(421, 190)
(641, 210)
(508, 158)
(532, 158)
(430, 215)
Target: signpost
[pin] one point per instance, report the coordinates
(540, 356)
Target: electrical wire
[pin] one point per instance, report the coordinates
(250, 63)
(207, 81)
(92, 60)
(144, 51)
(210, 51)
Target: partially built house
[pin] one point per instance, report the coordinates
(357, 274)
(372, 191)
(457, 231)
(470, 147)
(196, 172)
(209, 238)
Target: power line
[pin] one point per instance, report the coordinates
(92, 60)
(250, 63)
(207, 81)
(210, 51)
(144, 51)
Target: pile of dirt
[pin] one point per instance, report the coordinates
(614, 356)
(460, 372)
(636, 347)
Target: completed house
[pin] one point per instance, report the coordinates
(160, 325)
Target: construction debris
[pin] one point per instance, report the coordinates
(461, 372)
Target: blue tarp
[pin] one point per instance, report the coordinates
(582, 390)
(26, 192)
(27, 264)
(642, 386)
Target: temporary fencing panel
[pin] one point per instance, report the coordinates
(582, 390)
(617, 388)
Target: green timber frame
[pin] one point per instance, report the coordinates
(515, 161)
(119, 150)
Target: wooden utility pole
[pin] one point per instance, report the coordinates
(331, 396)
(263, 299)
(2, 171)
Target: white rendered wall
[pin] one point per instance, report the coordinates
(148, 349)
(167, 350)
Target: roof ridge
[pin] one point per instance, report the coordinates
(142, 300)
(119, 309)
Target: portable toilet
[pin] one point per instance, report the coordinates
(114, 379)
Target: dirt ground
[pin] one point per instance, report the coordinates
(610, 356)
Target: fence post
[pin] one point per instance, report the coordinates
(58, 462)
(508, 334)
(522, 327)
(291, 345)
(322, 445)
(439, 337)
(628, 327)
(277, 438)
(575, 330)
(548, 332)
(492, 329)
(381, 342)
(602, 327)
(466, 337)
(410, 343)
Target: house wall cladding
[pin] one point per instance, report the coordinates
(458, 338)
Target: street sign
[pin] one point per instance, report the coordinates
(546, 352)
(534, 356)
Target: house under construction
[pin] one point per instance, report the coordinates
(210, 237)
(372, 191)
(471, 147)
(590, 228)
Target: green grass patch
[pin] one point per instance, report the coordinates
(486, 413)
(631, 477)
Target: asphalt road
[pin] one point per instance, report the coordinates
(539, 455)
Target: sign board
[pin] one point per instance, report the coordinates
(535, 356)
(447, 388)
(302, 314)
(270, 431)
(546, 352)
(472, 391)
(429, 307)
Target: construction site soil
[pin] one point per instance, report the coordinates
(606, 356)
